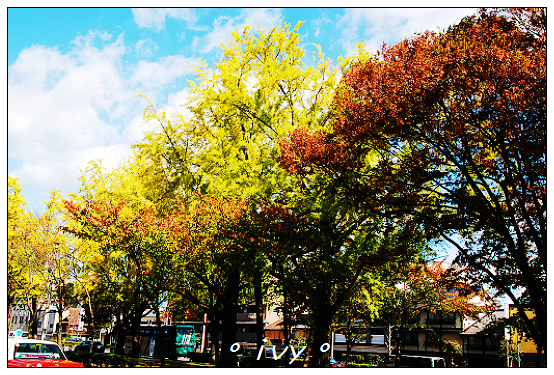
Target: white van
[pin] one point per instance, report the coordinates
(421, 361)
(18, 333)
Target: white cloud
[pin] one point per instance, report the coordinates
(146, 48)
(158, 74)
(154, 18)
(256, 18)
(175, 102)
(390, 25)
(63, 170)
(85, 41)
(66, 109)
(60, 103)
(135, 129)
(321, 23)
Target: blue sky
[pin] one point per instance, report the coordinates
(73, 74)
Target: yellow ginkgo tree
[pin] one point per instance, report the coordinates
(261, 89)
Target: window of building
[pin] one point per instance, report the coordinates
(475, 342)
(413, 319)
(339, 337)
(492, 343)
(410, 338)
(440, 317)
(430, 339)
(433, 317)
(448, 318)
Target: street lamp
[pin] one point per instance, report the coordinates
(46, 317)
(60, 289)
(400, 339)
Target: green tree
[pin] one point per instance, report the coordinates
(136, 263)
(318, 248)
(83, 257)
(259, 91)
(127, 238)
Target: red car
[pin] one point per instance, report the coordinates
(36, 353)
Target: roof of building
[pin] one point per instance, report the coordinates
(482, 325)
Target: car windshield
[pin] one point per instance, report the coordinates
(37, 350)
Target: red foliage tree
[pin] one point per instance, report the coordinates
(450, 128)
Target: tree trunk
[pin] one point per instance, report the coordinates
(120, 339)
(33, 319)
(400, 338)
(61, 293)
(11, 301)
(229, 320)
(89, 307)
(160, 339)
(214, 332)
(123, 326)
(258, 297)
(228, 337)
(135, 329)
(323, 318)
(59, 327)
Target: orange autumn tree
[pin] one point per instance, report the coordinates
(214, 269)
(135, 251)
(450, 129)
(448, 288)
(436, 287)
(188, 254)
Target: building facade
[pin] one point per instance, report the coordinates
(522, 349)
(484, 340)
(72, 322)
(460, 340)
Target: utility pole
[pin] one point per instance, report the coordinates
(203, 342)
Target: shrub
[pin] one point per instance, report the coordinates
(372, 359)
(200, 357)
(101, 359)
(361, 360)
(350, 364)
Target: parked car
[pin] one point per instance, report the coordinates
(97, 347)
(336, 363)
(75, 339)
(18, 333)
(36, 353)
(249, 358)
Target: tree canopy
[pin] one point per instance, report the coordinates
(324, 185)
(450, 128)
